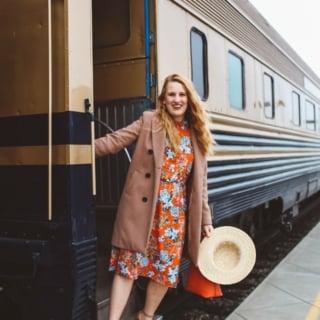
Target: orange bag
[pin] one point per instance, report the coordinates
(198, 284)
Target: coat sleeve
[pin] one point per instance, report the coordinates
(114, 142)
(206, 213)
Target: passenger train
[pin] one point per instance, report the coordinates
(73, 70)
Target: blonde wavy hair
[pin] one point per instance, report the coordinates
(195, 115)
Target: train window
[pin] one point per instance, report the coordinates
(268, 96)
(199, 62)
(111, 22)
(236, 81)
(296, 109)
(310, 115)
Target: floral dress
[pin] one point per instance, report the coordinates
(164, 252)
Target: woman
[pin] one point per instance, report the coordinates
(164, 196)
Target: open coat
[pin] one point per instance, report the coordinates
(140, 193)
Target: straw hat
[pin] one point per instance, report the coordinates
(227, 256)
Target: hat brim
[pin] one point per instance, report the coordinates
(227, 256)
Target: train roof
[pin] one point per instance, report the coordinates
(242, 23)
(261, 23)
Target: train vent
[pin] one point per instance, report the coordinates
(84, 280)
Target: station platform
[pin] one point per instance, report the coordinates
(292, 290)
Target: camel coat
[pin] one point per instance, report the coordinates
(140, 193)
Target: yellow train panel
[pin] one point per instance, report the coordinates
(24, 67)
(39, 155)
(119, 80)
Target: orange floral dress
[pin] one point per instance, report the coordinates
(164, 252)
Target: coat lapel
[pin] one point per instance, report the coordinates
(198, 156)
(158, 142)
(195, 181)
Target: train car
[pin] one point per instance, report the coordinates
(47, 220)
(73, 70)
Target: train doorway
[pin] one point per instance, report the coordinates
(123, 68)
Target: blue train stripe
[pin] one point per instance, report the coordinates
(31, 130)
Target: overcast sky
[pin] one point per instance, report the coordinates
(299, 24)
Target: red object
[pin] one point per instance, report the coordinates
(198, 284)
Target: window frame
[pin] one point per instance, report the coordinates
(313, 121)
(272, 91)
(102, 39)
(204, 64)
(243, 86)
(293, 107)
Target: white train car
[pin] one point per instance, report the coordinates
(66, 60)
(262, 100)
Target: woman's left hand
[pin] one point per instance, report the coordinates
(207, 230)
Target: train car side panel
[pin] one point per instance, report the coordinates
(47, 228)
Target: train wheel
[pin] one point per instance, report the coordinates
(247, 223)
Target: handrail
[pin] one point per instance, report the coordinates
(87, 106)
(111, 130)
(49, 111)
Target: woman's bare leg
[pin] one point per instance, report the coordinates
(121, 288)
(155, 294)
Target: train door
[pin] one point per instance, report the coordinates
(123, 57)
(47, 221)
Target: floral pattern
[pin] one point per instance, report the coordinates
(162, 261)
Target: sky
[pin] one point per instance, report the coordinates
(298, 22)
